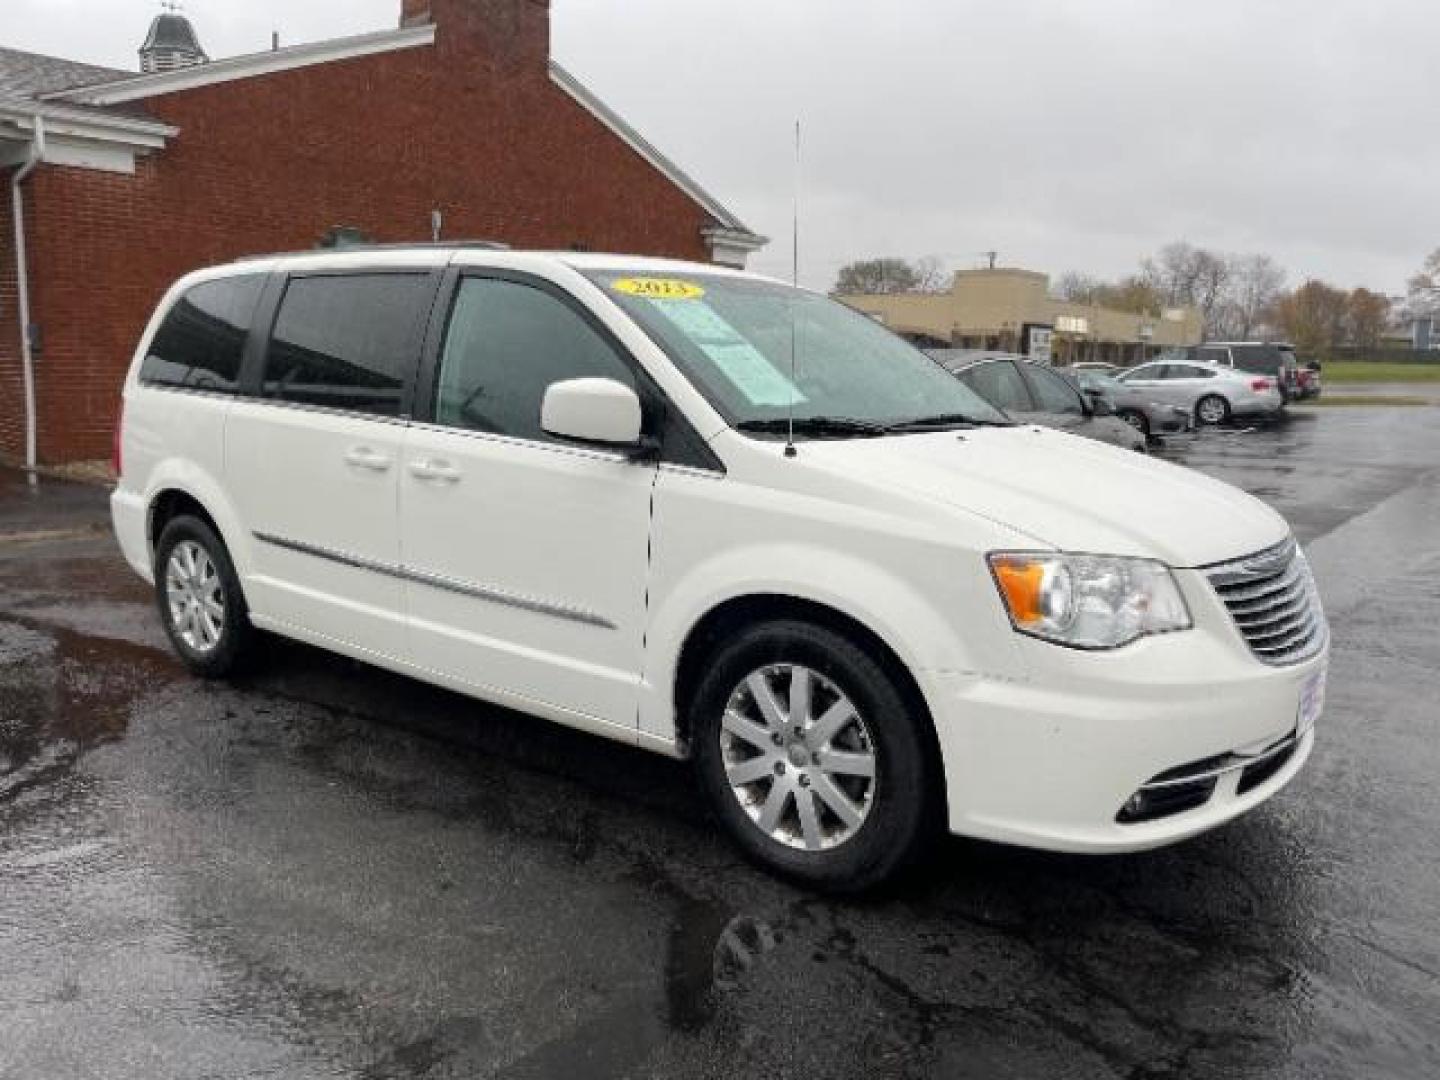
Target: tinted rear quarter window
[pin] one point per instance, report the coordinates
(347, 341)
(201, 342)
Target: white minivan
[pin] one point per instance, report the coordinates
(725, 519)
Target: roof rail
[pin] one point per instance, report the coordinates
(345, 249)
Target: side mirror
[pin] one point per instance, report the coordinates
(598, 411)
(1099, 404)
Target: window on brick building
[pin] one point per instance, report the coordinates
(202, 340)
(347, 342)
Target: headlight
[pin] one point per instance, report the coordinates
(1088, 601)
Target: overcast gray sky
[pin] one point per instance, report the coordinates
(1067, 134)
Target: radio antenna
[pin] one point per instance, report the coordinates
(795, 281)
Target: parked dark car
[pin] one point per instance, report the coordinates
(1143, 411)
(1035, 394)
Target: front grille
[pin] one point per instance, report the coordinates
(1271, 595)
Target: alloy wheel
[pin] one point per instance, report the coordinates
(1212, 410)
(195, 596)
(798, 756)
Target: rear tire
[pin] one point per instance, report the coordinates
(842, 799)
(1212, 409)
(201, 604)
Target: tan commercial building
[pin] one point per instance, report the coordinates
(1012, 310)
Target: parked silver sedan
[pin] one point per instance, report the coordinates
(1212, 393)
(1134, 404)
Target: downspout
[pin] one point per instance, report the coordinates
(22, 286)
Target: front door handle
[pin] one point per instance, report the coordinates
(435, 469)
(365, 457)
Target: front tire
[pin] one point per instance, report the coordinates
(1212, 409)
(813, 758)
(201, 604)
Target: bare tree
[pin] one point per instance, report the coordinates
(931, 275)
(1187, 276)
(1257, 282)
(1424, 296)
(877, 276)
(1076, 287)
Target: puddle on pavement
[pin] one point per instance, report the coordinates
(61, 694)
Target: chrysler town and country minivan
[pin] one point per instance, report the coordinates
(724, 519)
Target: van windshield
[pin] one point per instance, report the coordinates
(733, 339)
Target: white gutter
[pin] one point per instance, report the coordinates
(22, 284)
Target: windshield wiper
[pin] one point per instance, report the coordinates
(815, 425)
(944, 421)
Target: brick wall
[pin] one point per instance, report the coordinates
(472, 126)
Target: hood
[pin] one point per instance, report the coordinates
(1066, 492)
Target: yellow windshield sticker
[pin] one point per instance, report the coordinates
(659, 288)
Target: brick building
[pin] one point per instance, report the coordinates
(457, 122)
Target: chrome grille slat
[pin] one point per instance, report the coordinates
(1254, 619)
(1277, 628)
(1285, 644)
(1273, 603)
(1261, 588)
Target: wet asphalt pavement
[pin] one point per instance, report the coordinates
(328, 871)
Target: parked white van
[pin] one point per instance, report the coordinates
(721, 518)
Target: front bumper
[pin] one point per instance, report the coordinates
(1051, 762)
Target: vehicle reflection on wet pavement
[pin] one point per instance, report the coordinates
(323, 870)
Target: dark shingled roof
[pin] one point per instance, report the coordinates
(24, 74)
(172, 32)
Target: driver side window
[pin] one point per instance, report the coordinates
(505, 344)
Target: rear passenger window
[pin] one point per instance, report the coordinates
(202, 340)
(506, 343)
(347, 342)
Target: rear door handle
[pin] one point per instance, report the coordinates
(434, 469)
(364, 457)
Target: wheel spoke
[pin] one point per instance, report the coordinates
(742, 727)
(210, 628)
(747, 772)
(830, 724)
(838, 802)
(848, 763)
(801, 690)
(213, 607)
(765, 701)
(809, 818)
(774, 805)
